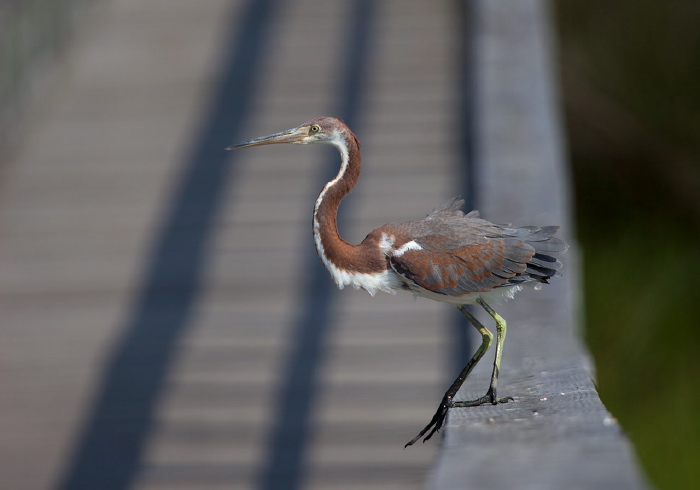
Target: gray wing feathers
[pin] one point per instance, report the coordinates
(453, 209)
(462, 253)
(544, 263)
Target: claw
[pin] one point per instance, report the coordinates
(439, 418)
(435, 423)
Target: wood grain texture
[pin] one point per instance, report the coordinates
(88, 187)
(556, 433)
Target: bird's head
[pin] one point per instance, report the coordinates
(325, 130)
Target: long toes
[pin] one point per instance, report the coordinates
(473, 403)
(434, 426)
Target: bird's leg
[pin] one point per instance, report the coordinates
(447, 400)
(491, 394)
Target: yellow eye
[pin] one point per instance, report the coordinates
(315, 128)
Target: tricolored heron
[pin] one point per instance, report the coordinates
(449, 256)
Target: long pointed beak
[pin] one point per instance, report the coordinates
(295, 135)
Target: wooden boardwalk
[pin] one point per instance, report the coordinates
(165, 321)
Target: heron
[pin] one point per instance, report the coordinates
(448, 256)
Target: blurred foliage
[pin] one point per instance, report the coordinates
(631, 88)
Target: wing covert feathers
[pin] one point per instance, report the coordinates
(461, 254)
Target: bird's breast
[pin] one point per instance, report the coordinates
(371, 282)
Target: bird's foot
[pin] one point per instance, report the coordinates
(439, 418)
(487, 398)
(435, 423)
(490, 397)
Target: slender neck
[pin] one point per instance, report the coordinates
(328, 201)
(333, 250)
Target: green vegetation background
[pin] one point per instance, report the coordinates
(631, 88)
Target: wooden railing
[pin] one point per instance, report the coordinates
(557, 433)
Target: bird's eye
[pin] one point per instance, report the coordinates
(315, 128)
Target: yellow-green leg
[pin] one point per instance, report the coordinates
(490, 396)
(501, 328)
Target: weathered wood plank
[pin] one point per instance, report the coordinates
(82, 214)
(85, 197)
(557, 433)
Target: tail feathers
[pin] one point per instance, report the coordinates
(544, 263)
